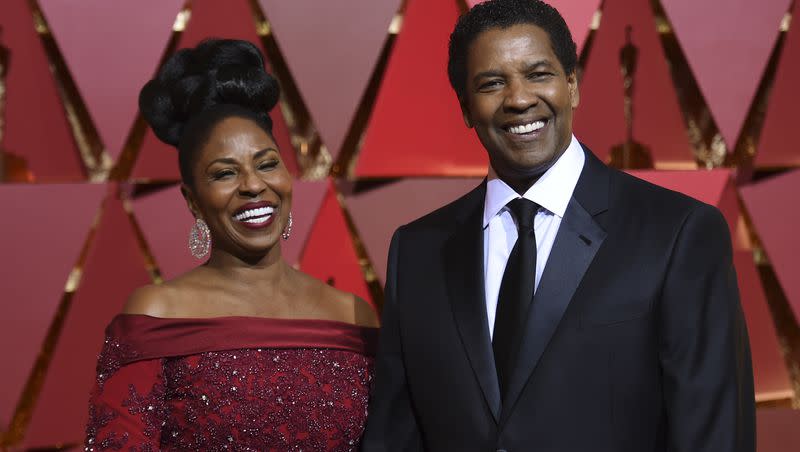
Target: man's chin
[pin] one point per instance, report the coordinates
(527, 168)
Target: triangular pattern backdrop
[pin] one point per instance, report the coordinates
(777, 148)
(232, 19)
(330, 254)
(36, 127)
(369, 77)
(415, 95)
(93, 33)
(657, 117)
(113, 269)
(777, 227)
(727, 63)
(332, 69)
(45, 244)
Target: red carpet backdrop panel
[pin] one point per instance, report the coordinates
(777, 148)
(409, 199)
(332, 68)
(657, 121)
(36, 127)
(44, 228)
(772, 206)
(710, 34)
(416, 128)
(232, 19)
(113, 269)
(94, 33)
(330, 254)
(712, 187)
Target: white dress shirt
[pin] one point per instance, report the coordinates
(552, 192)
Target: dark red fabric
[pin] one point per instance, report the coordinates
(154, 337)
(234, 383)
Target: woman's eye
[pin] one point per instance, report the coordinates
(538, 75)
(268, 165)
(223, 174)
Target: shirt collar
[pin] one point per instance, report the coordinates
(552, 191)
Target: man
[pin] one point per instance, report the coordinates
(634, 339)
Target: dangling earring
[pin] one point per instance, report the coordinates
(199, 239)
(287, 231)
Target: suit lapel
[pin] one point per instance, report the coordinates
(578, 239)
(463, 258)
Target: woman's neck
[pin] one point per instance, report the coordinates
(267, 270)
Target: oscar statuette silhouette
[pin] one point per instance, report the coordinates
(12, 167)
(630, 154)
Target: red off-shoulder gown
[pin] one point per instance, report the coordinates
(231, 383)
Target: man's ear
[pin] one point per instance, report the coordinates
(465, 112)
(190, 201)
(574, 92)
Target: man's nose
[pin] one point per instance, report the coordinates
(519, 96)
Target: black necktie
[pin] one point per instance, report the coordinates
(516, 292)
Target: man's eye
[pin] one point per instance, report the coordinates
(490, 84)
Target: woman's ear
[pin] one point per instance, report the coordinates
(188, 195)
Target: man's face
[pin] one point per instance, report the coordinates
(519, 100)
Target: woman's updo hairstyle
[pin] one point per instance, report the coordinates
(198, 87)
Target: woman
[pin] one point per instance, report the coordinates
(242, 352)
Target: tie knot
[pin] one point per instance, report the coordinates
(524, 210)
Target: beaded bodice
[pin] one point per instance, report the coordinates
(271, 397)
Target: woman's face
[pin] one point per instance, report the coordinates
(241, 189)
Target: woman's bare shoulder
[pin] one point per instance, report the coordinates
(163, 299)
(336, 304)
(155, 300)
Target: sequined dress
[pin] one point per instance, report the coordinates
(231, 383)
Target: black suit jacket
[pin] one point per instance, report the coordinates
(635, 340)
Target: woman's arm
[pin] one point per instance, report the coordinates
(127, 406)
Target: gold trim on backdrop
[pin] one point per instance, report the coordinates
(313, 158)
(677, 165)
(97, 163)
(133, 143)
(786, 22)
(367, 269)
(702, 131)
(588, 41)
(771, 399)
(149, 258)
(597, 18)
(183, 17)
(351, 146)
(710, 148)
(744, 153)
(786, 326)
(30, 393)
(396, 24)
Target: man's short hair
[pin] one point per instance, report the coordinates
(504, 14)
